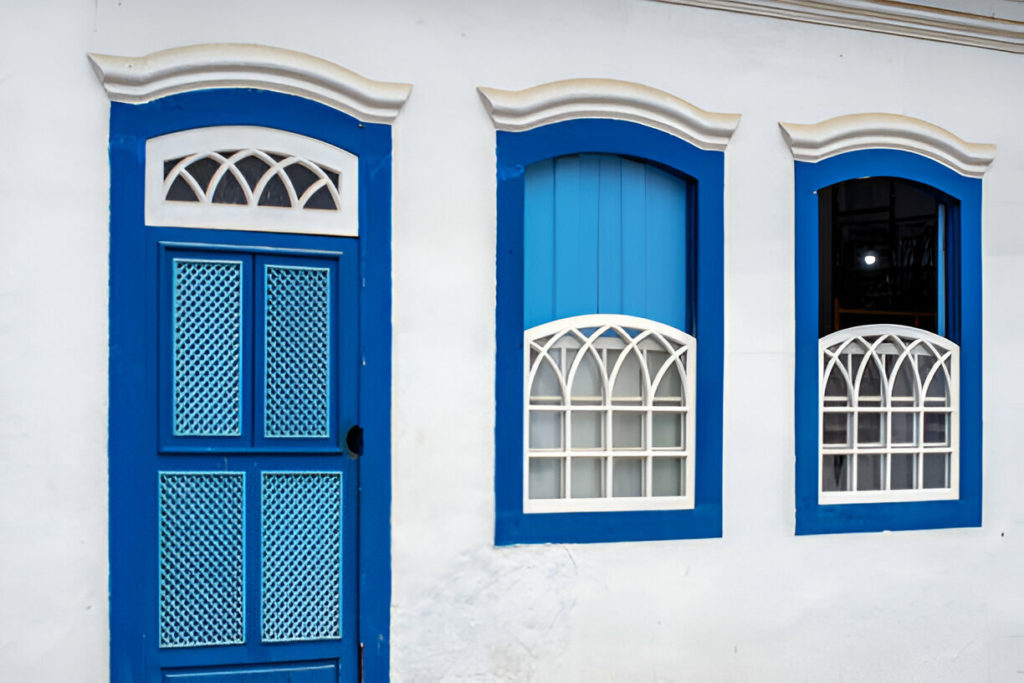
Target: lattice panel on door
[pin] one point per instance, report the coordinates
(207, 329)
(301, 522)
(298, 354)
(202, 559)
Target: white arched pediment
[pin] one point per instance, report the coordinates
(517, 110)
(816, 141)
(197, 67)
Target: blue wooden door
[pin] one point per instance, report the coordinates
(233, 498)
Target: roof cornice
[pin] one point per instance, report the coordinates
(220, 65)
(885, 16)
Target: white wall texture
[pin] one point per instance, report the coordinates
(758, 604)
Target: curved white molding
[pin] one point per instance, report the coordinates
(816, 141)
(883, 16)
(516, 110)
(197, 67)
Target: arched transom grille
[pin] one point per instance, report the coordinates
(609, 414)
(253, 177)
(889, 412)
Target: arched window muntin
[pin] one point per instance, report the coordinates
(854, 361)
(960, 505)
(609, 343)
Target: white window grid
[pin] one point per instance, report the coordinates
(888, 428)
(319, 158)
(664, 390)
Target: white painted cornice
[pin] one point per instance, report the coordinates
(816, 141)
(516, 110)
(199, 67)
(885, 16)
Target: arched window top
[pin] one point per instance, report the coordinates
(854, 132)
(248, 177)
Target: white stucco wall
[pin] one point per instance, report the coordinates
(758, 604)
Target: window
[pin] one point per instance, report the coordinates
(609, 274)
(888, 339)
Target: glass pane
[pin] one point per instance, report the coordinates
(903, 382)
(836, 388)
(936, 428)
(869, 428)
(586, 385)
(545, 478)
(587, 430)
(835, 473)
(667, 477)
(545, 383)
(834, 428)
(936, 471)
(671, 385)
(938, 388)
(903, 428)
(902, 476)
(627, 477)
(629, 381)
(869, 472)
(627, 430)
(668, 430)
(587, 475)
(870, 381)
(545, 430)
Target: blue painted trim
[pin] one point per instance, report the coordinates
(705, 170)
(963, 326)
(134, 372)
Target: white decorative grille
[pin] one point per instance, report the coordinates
(609, 415)
(889, 415)
(251, 178)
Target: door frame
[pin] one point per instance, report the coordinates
(131, 125)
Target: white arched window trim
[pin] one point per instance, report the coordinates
(897, 354)
(594, 336)
(312, 154)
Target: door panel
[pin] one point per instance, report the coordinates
(241, 479)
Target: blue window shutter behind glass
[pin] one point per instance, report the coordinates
(604, 235)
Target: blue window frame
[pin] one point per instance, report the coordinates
(958, 322)
(677, 283)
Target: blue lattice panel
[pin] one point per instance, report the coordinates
(202, 559)
(207, 313)
(298, 355)
(301, 563)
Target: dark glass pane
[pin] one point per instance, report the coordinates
(180, 191)
(253, 169)
(321, 199)
(333, 176)
(202, 170)
(277, 157)
(301, 178)
(169, 164)
(879, 255)
(835, 473)
(228, 191)
(275, 194)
